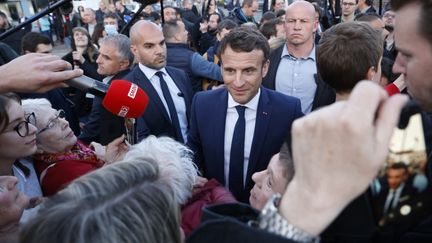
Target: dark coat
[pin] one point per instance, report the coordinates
(155, 120)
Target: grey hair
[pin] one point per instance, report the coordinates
(120, 203)
(175, 163)
(38, 106)
(123, 45)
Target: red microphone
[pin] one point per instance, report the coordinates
(125, 99)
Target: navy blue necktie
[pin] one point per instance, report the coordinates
(237, 154)
(171, 107)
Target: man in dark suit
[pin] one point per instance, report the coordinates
(399, 203)
(292, 68)
(115, 58)
(168, 88)
(235, 131)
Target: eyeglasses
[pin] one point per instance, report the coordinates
(60, 114)
(349, 4)
(22, 128)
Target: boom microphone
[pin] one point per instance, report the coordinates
(89, 85)
(122, 98)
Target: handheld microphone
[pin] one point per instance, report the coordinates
(122, 98)
(125, 99)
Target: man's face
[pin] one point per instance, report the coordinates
(111, 8)
(169, 14)
(89, 16)
(183, 34)
(300, 24)
(267, 183)
(379, 25)
(250, 11)
(348, 7)
(414, 59)
(242, 73)
(148, 9)
(279, 4)
(109, 61)
(102, 5)
(213, 21)
(150, 48)
(118, 6)
(395, 177)
(110, 21)
(44, 48)
(389, 18)
(187, 4)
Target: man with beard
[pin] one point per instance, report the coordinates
(168, 88)
(208, 36)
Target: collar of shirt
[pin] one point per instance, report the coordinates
(107, 79)
(365, 10)
(285, 53)
(252, 104)
(150, 72)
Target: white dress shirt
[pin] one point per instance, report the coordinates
(230, 122)
(175, 92)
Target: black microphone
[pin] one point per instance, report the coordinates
(147, 2)
(88, 84)
(180, 94)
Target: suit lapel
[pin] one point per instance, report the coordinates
(218, 133)
(262, 121)
(142, 81)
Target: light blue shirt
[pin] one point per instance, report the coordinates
(178, 100)
(29, 186)
(295, 77)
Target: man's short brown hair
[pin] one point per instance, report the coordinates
(346, 52)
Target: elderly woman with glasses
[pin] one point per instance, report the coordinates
(17, 142)
(60, 157)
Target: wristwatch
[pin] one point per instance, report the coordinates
(271, 221)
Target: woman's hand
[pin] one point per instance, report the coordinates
(116, 150)
(77, 56)
(99, 150)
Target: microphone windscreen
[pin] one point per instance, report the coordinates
(125, 99)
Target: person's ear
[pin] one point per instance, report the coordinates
(370, 75)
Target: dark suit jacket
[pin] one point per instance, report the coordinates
(103, 126)
(155, 120)
(275, 114)
(324, 94)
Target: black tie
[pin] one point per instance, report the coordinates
(171, 107)
(237, 154)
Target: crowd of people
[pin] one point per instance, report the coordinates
(275, 130)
